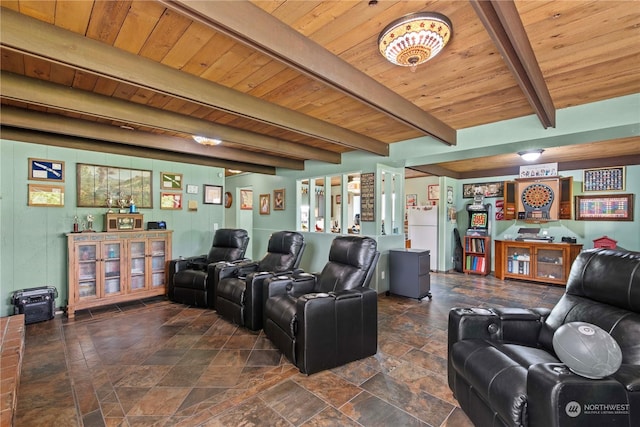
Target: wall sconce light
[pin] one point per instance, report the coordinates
(530, 155)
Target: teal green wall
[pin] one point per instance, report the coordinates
(33, 246)
(33, 243)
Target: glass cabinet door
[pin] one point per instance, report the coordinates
(158, 258)
(112, 268)
(87, 270)
(518, 261)
(549, 264)
(137, 252)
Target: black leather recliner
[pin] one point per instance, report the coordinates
(239, 287)
(503, 370)
(320, 321)
(190, 281)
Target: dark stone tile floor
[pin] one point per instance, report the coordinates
(158, 363)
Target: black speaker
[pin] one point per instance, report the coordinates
(37, 304)
(156, 225)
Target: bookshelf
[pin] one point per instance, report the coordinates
(477, 255)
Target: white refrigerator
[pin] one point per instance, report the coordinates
(422, 223)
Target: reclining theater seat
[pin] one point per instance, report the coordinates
(190, 280)
(320, 321)
(504, 372)
(239, 287)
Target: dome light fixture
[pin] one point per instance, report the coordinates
(530, 155)
(207, 141)
(415, 38)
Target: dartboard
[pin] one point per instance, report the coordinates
(537, 196)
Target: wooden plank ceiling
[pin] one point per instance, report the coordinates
(284, 81)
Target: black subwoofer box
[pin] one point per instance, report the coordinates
(37, 304)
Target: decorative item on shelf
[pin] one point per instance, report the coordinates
(109, 203)
(132, 205)
(76, 224)
(415, 38)
(89, 227)
(122, 204)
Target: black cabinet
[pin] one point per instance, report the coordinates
(409, 273)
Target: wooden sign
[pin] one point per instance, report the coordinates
(368, 197)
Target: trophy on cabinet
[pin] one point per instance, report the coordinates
(109, 203)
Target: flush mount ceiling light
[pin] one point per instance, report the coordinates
(415, 38)
(206, 141)
(530, 155)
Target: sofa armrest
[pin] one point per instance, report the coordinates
(518, 325)
(558, 397)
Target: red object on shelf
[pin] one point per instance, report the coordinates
(605, 242)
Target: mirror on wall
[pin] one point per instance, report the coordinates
(319, 205)
(304, 205)
(353, 203)
(336, 203)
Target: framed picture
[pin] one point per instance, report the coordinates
(97, 184)
(604, 179)
(212, 194)
(338, 199)
(46, 170)
(192, 189)
(368, 196)
(246, 199)
(449, 195)
(265, 204)
(278, 200)
(486, 189)
(171, 201)
(433, 192)
(46, 195)
(617, 207)
(170, 181)
(412, 200)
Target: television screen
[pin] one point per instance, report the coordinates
(478, 220)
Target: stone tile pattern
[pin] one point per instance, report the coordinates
(158, 363)
(12, 333)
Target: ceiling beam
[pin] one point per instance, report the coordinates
(272, 37)
(502, 21)
(227, 157)
(39, 92)
(44, 138)
(51, 43)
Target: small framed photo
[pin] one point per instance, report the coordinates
(246, 199)
(338, 199)
(212, 194)
(278, 200)
(604, 179)
(412, 200)
(433, 192)
(171, 201)
(46, 170)
(192, 189)
(46, 195)
(265, 208)
(170, 181)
